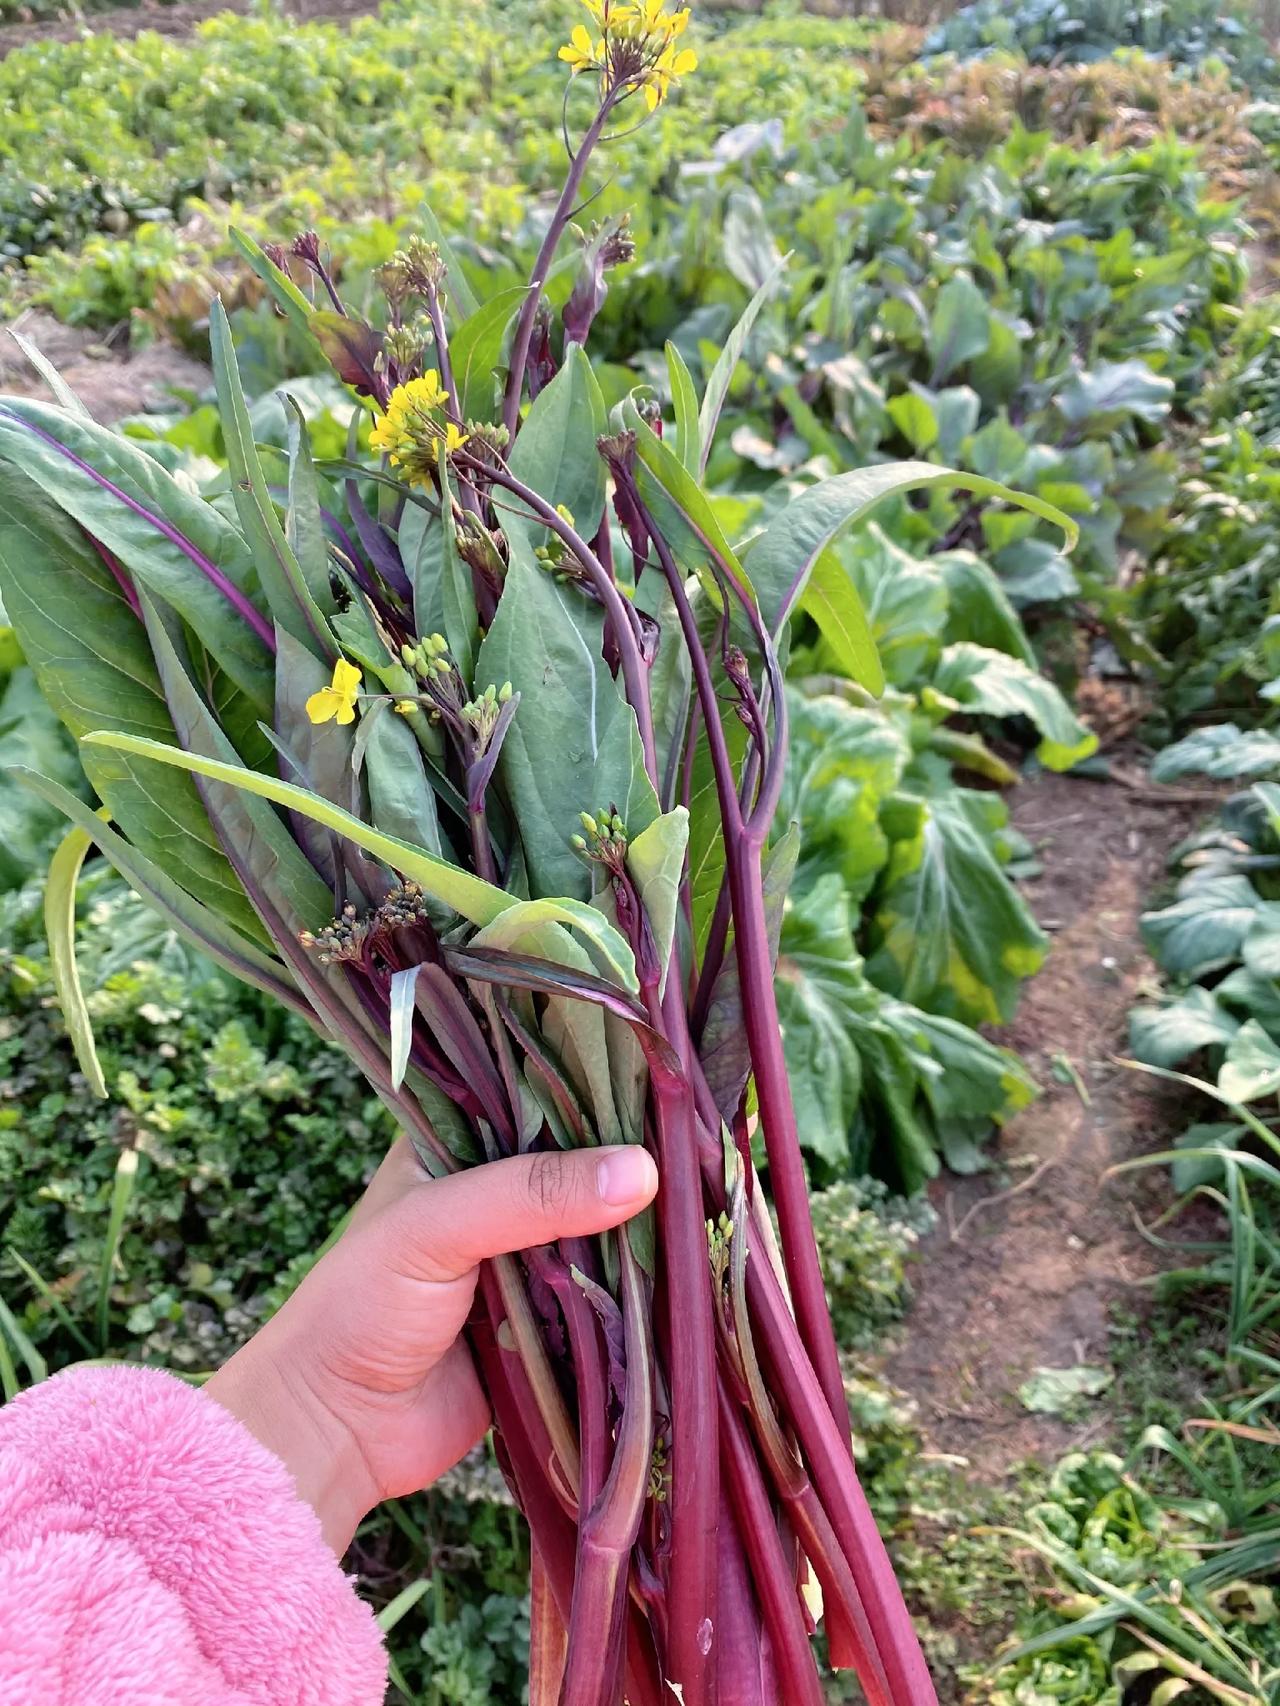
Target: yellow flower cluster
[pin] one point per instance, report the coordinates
(411, 431)
(636, 44)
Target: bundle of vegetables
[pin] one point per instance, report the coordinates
(472, 757)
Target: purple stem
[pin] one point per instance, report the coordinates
(122, 580)
(559, 219)
(620, 614)
(238, 601)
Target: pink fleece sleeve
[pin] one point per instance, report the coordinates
(152, 1553)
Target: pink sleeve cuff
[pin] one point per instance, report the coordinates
(153, 1553)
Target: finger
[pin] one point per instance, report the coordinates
(443, 1229)
(399, 1173)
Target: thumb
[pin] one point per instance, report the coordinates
(443, 1228)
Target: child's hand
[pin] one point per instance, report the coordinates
(360, 1384)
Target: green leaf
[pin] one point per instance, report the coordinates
(821, 990)
(1261, 950)
(64, 395)
(1032, 571)
(402, 802)
(1221, 750)
(1252, 997)
(289, 597)
(684, 399)
(905, 599)
(304, 524)
(683, 512)
(32, 737)
(978, 607)
(727, 362)
(843, 764)
(1116, 389)
(1204, 928)
(60, 931)
(457, 594)
(656, 860)
(195, 923)
(915, 420)
(579, 1032)
(782, 558)
(1053, 1391)
(877, 1082)
(457, 889)
(831, 599)
(573, 745)
(126, 520)
(953, 934)
(90, 656)
(1167, 1035)
(459, 289)
(476, 349)
(997, 685)
(521, 921)
(959, 327)
(555, 452)
(1251, 1069)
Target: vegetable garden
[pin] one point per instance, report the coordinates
(796, 685)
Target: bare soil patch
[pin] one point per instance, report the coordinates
(176, 20)
(1027, 1281)
(112, 380)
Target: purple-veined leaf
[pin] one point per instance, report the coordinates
(174, 543)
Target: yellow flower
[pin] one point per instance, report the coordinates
(654, 19)
(338, 700)
(453, 438)
(579, 52)
(608, 12)
(670, 66)
(415, 399)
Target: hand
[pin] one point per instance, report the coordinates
(361, 1384)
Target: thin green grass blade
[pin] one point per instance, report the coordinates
(59, 1309)
(8, 1373)
(404, 1602)
(36, 1366)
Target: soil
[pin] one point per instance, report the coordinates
(110, 378)
(165, 20)
(1027, 1260)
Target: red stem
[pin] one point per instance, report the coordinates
(826, 1451)
(691, 1368)
(770, 1567)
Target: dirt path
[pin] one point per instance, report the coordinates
(1027, 1281)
